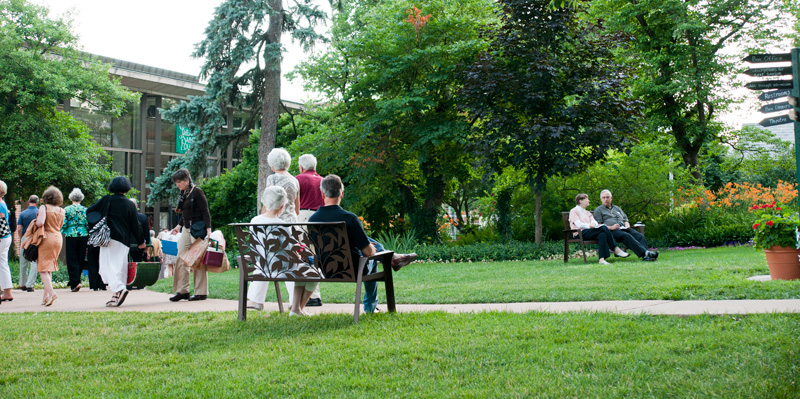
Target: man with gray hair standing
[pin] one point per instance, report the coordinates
(617, 222)
(333, 192)
(310, 201)
(27, 270)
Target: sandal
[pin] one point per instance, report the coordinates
(114, 300)
(122, 295)
(51, 300)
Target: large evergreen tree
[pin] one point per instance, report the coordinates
(243, 54)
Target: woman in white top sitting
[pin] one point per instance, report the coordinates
(581, 219)
(274, 200)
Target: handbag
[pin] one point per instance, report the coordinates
(100, 234)
(196, 229)
(213, 256)
(31, 254)
(5, 229)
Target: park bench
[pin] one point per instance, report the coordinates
(305, 252)
(570, 239)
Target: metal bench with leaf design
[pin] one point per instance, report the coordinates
(305, 252)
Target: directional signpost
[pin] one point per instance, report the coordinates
(769, 84)
(775, 107)
(774, 95)
(764, 72)
(789, 88)
(785, 86)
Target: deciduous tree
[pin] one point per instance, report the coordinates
(40, 66)
(549, 95)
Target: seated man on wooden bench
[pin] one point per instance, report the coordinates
(332, 193)
(617, 222)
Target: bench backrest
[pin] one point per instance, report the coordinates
(286, 250)
(565, 218)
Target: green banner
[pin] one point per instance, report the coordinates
(183, 139)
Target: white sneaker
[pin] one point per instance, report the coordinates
(603, 262)
(622, 254)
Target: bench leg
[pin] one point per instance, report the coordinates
(583, 248)
(389, 286)
(242, 292)
(278, 294)
(566, 251)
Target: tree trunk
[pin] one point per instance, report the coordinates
(538, 216)
(272, 97)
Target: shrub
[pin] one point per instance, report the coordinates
(695, 226)
(512, 250)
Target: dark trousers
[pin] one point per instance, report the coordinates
(76, 258)
(93, 265)
(605, 240)
(632, 239)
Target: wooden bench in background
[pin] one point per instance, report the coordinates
(283, 252)
(570, 239)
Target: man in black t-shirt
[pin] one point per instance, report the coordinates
(332, 193)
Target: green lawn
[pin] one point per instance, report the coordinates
(425, 355)
(716, 273)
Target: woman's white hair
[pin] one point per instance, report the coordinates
(3, 188)
(307, 162)
(76, 195)
(279, 159)
(274, 197)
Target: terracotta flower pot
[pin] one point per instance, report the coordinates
(783, 263)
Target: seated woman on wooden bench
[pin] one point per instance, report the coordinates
(274, 200)
(583, 220)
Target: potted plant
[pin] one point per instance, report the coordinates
(776, 231)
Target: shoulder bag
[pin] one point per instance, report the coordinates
(196, 229)
(100, 234)
(5, 229)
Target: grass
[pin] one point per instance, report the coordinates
(697, 274)
(425, 355)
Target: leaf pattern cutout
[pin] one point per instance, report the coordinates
(286, 251)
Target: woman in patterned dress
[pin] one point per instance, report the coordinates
(76, 233)
(50, 218)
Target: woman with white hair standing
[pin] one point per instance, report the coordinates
(279, 161)
(5, 243)
(76, 233)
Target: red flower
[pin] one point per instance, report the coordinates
(777, 209)
(755, 206)
(755, 226)
(769, 223)
(763, 206)
(773, 202)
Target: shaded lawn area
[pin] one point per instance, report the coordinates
(426, 355)
(698, 274)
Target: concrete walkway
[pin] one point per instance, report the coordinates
(150, 301)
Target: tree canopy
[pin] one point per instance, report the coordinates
(677, 46)
(393, 69)
(40, 66)
(549, 95)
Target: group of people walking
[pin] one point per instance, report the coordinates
(45, 226)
